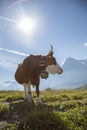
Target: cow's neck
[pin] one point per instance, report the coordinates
(42, 63)
(43, 73)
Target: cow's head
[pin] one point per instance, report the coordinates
(51, 64)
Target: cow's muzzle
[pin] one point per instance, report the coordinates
(60, 71)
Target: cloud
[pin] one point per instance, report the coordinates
(85, 44)
(7, 64)
(14, 52)
(10, 62)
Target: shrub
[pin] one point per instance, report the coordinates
(43, 120)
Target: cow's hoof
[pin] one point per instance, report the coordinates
(31, 102)
(40, 103)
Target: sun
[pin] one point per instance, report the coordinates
(27, 25)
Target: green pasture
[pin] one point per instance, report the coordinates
(62, 110)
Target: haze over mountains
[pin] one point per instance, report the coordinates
(74, 73)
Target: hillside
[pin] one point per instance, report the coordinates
(62, 110)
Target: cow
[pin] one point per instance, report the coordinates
(32, 69)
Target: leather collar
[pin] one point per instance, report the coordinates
(43, 73)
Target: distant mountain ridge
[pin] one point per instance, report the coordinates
(11, 85)
(83, 87)
(74, 74)
(83, 61)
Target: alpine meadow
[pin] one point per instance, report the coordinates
(62, 110)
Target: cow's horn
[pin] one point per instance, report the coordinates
(51, 51)
(51, 48)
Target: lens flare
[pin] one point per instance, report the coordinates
(27, 25)
(15, 3)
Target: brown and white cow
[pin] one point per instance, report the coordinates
(33, 67)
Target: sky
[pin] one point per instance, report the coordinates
(62, 23)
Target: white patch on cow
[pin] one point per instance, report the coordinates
(29, 91)
(39, 100)
(26, 96)
(54, 69)
(27, 88)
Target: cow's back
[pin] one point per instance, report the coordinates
(31, 66)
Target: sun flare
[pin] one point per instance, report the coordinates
(27, 25)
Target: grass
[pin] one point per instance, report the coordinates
(62, 110)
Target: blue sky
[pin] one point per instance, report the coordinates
(62, 23)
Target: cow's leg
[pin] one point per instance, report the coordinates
(26, 96)
(30, 98)
(38, 98)
(28, 93)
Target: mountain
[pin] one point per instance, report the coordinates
(83, 87)
(74, 74)
(83, 61)
(10, 85)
